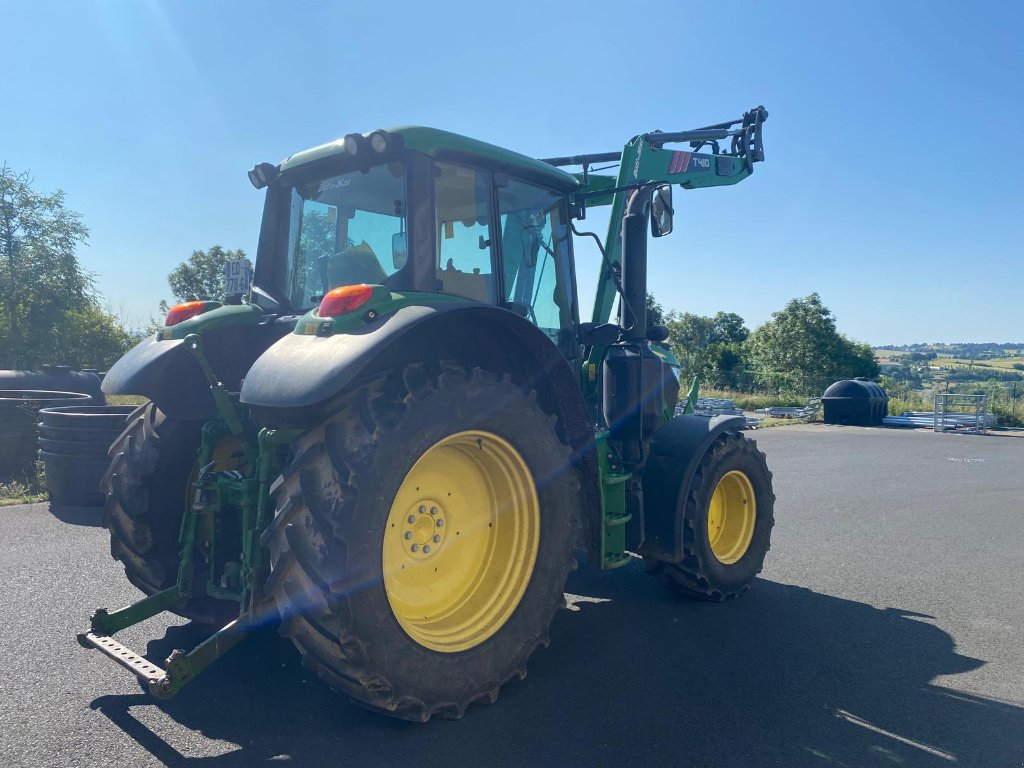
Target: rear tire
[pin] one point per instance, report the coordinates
(723, 552)
(349, 503)
(147, 490)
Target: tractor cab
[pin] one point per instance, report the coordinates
(417, 210)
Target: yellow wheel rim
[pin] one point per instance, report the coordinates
(461, 541)
(731, 517)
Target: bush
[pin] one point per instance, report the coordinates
(1006, 416)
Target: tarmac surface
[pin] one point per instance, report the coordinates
(887, 630)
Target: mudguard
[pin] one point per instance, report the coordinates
(676, 452)
(167, 373)
(300, 371)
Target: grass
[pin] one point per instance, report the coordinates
(769, 422)
(923, 401)
(751, 402)
(126, 400)
(28, 490)
(999, 363)
(914, 401)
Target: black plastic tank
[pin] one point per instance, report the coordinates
(55, 378)
(857, 402)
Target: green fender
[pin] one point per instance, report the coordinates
(302, 373)
(162, 369)
(676, 452)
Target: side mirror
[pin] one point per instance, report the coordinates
(661, 211)
(657, 333)
(399, 250)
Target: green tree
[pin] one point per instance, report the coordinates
(90, 337)
(655, 312)
(201, 277)
(800, 350)
(709, 347)
(41, 281)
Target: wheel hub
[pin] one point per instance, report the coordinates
(424, 529)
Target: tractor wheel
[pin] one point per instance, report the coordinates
(422, 539)
(727, 523)
(148, 489)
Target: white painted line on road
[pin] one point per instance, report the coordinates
(851, 718)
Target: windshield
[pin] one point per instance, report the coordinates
(345, 230)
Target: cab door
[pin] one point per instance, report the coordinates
(536, 256)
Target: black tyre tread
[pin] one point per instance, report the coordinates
(134, 455)
(689, 577)
(150, 462)
(308, 546)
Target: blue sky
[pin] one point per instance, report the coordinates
(891, 185)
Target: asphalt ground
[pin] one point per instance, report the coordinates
(886, 630)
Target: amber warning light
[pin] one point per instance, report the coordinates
(338, 301)
(183, 312)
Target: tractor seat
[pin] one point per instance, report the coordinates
(468, 285)
(355, 265)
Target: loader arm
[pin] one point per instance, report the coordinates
(647, 158)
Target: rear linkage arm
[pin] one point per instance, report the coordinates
(181, 667)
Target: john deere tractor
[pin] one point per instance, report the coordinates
(396, 443)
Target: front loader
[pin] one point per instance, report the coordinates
(395, 444)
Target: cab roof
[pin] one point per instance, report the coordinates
(444, 145)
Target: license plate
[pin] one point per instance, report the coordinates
(237, 277)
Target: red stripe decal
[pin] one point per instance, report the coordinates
(680, 162)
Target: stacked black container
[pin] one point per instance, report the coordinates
(73, 444)
(19, 412)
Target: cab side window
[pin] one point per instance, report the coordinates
(462, 204)
(537, 267)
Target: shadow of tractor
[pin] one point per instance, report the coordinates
(634, 676)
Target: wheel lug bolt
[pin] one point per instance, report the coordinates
(412, 518)
(433, 510)
(426, 548)
(408, 534)
(440, 523)
(437, 539)
(415, 547)
(422, 508)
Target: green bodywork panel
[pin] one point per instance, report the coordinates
(438, 143)
(382, 302)
(613, 506)
(665, 354)
(232, 314)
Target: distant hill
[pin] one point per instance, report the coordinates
(976, 350)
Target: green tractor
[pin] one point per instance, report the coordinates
(395, 445)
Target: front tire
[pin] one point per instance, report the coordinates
(727, 522)
(422, 539)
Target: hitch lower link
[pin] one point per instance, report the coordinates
(180, 667)
(250, 500)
